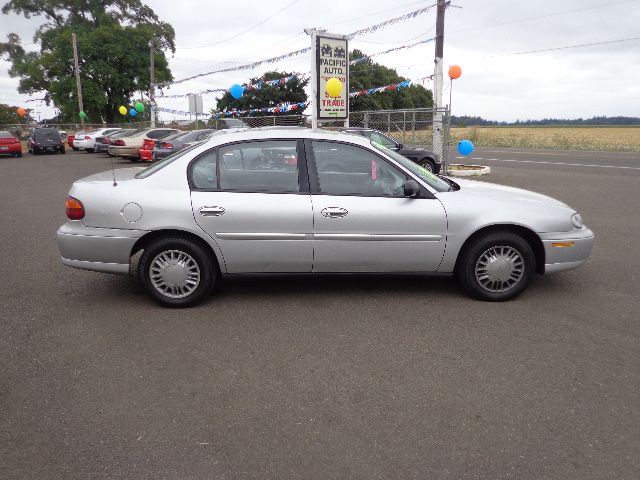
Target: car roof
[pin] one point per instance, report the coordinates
(264, 133)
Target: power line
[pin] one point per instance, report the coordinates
(244, 31)
(509, 22)
(568, 46)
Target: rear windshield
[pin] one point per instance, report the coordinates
(48, 133)
(5, 134)
(163, 163)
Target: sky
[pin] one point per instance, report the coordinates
(488, 39)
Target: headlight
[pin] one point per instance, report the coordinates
(576, 219)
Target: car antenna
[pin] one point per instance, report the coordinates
(113, 172)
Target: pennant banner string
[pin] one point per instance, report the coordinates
(363, 31)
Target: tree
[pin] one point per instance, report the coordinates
(268, 96)
(9, 115)
(368, 74)
(113, 37)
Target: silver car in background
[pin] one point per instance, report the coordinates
(311, 201)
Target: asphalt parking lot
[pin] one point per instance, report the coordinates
(331, 377)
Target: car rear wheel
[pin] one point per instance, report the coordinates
(90, 150)
(75, 149)
(177, 272)
(496, 267)
(19, 155)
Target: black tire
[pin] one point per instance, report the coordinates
(35, 151)
(75, 149)
(134, 159)
(19, 155)
(62, 150)
(208, 273)
(90, 150)
(469, 267)
(429, 164)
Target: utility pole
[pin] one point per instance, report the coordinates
(438, 127)
(77, 69)
(151, 85)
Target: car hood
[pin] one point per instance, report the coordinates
(121, 174)
(411, 150)
(485, 190)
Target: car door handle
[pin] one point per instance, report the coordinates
(211, 211)
(334, 212)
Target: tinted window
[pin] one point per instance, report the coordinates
(381, 139)
(269, 166)
(350, 170)
(46, 133)
(204, 171)
(5, 134)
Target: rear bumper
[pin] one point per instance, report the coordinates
(146, 155)
(99, 249)
(124, 151)
(566, 251)
(10, 149)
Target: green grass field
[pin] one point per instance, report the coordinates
(617, 139)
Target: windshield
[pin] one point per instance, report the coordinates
(163, 163)
(421, 172)
(43, 133)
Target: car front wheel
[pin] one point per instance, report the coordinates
(177, 272)
(496, 267)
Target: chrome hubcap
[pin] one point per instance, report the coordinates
(499, 268)
(175, 274)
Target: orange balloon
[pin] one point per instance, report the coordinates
(21, 111)
(454, 72)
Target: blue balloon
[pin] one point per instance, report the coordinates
(465, 147)
(133, 112)
(236, 91)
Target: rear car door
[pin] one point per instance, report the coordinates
(253, 199)
(362, 221)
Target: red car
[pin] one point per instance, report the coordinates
(10, 144)
(146, 151)
(70, 139)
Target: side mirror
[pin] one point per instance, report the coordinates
(399, 146)
(411, 188)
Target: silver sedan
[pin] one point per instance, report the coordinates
(311, 201)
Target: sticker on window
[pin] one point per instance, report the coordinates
(426, 173)
(374, 170)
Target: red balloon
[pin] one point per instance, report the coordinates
(454, 72)
(21, 111)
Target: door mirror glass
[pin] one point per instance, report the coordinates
(399, 146)
(411, 188)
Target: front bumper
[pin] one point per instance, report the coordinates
(567, 250)
(99, 249)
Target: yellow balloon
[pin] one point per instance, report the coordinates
(334, 87)
(122, 110)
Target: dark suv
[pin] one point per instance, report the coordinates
(425, 158)
(45, 140)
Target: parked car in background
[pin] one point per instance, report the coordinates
(77, 136)
(103, 141)
(70, 138)
(130, 145)
(178, 141)
(228, 206)
(422, 157)
(87, 141)
(45, 139)
(10, 144)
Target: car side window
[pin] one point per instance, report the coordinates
(204, 171)
(382, 140)
(267, 166)
(350, 170)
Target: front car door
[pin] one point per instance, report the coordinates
(362, 220)
(253, 199)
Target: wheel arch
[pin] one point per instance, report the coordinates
(146, 239)
(529, 236)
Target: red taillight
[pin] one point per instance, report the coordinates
(74, 208)
(166, 145)
(119, 143)
(106, 141)
(87, 137)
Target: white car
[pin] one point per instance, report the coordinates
(87, 140)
